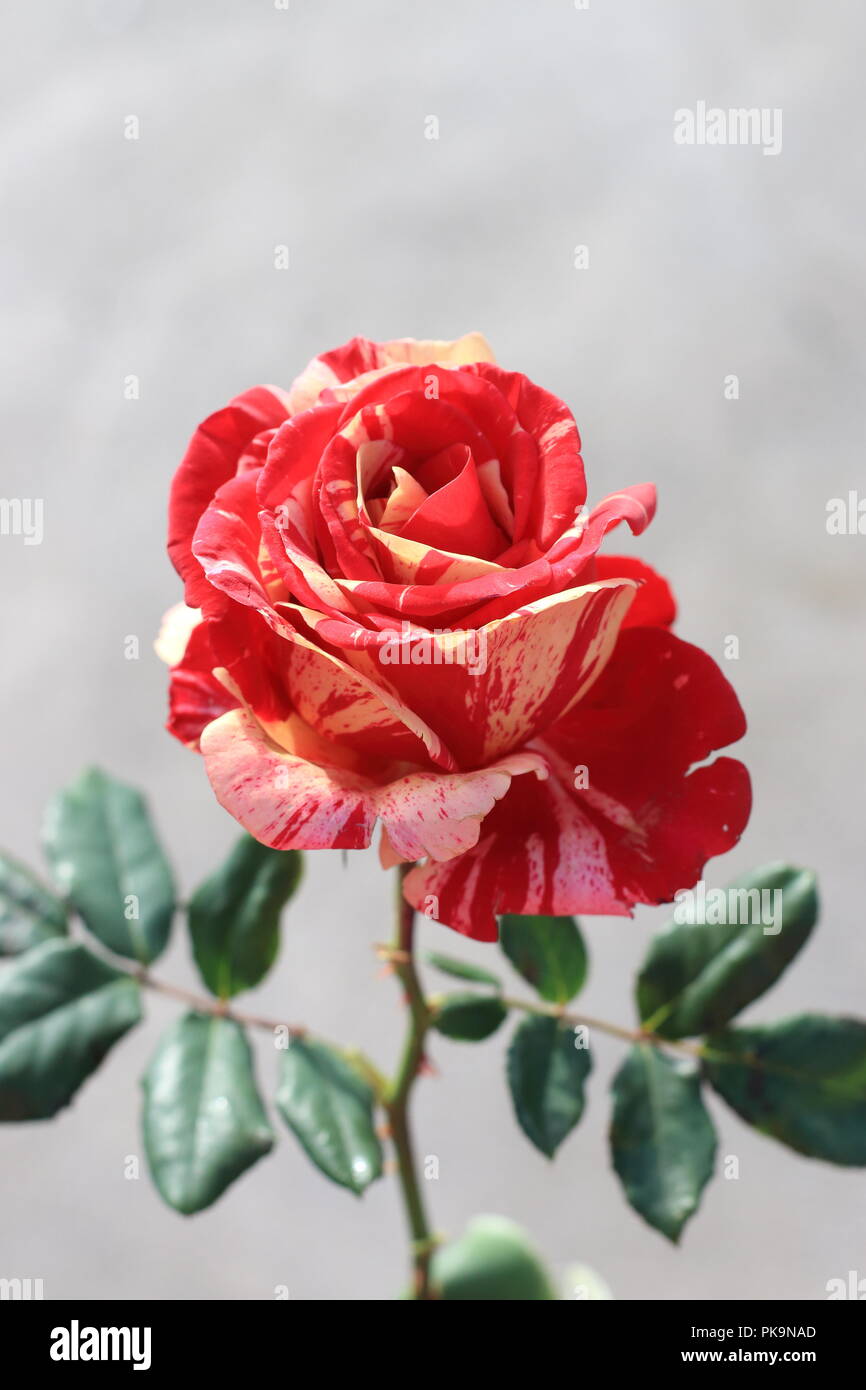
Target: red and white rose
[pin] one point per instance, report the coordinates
(396, 611)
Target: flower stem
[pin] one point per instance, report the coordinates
(219, 1008)
(421, 1015)
(613, 1030)
(399, 1093)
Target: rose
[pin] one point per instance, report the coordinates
(344, 544)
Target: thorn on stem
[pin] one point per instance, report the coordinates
(426, 1067)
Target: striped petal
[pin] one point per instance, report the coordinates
(290, 802)
(548, 483)
(333, 695)
(494, 688)
(645, 824)
(196, 697)
(493, 593)
(361, 360)
(283, 800)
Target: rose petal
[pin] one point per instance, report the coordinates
(472, 347)
(360, 357)
(196, 697)
(654, 604)
(547, 484)
(645, 825)
(226, 545)
(497, 592)
(288, 802)
(456, 518)
(174, 633)
(282, 800)
(407, 496)
(494, 688)
(213, 456)
(439, 815)
(344, 706)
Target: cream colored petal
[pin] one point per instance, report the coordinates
(174, 633)
(457, 352)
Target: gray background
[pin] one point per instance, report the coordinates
(306, 128)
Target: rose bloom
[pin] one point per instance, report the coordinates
(396, 611)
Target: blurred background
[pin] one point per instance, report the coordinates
(305, 125)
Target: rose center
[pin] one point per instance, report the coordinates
(438, 501)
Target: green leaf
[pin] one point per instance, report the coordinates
(492, 1261)
(105, 855)
(698, 976)
(463, 970)
(801, 1080)
(469, 1017)
(61, 1009)
(330, 1108)
(204, 1122)
(29, 913)
(549, 953)
(662, 1139)
(546, 1075)
(234, 917)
